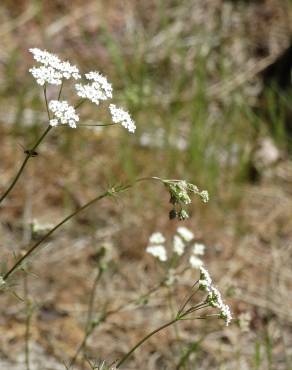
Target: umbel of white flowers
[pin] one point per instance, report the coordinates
(53, 71)
(183, 238)
(214, 298)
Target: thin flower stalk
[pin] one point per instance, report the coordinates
(105, 315)
(169, 323)
(89, 323)
(21, 260)
(127, 355)
(29, 154)
(110, 192)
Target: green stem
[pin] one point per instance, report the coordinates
(60, 91)
(127, 355)
(106, 315)
(97, 125)
(28, 155)
(46, 101)
(32, 249)
(27, 322)
(110, 192)
(187, 301)
(89, 323)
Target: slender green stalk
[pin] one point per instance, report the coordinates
(107, 314)
(187, 301)
(46, 101)
(97, 125)
(172, 310)
(33, 248)
(127, 355)
(27, 322)
(60, 91)
(27, 338)
(89, 323)
(81, 101)
(110, 192)
(29, 154)
(179, 316)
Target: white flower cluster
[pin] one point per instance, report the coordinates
(185, 233)
(52, 70)
(178, 245)
(99, 89)
(63, 113)
(156, 238)
(198, 250)
(181, 240)
(122, 117)
(157, 251)
(214, 298)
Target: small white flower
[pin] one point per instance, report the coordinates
(2, 282)
(215, 300)
(99, 89)
(185, 233)
(199, 249)
(53, 69)
(105, 86)
(122, 117)
(195, 262)
(44, 74)
(69, 70)
(157, 251)
(44, 57)
(63, 113)
(205, 281)
(178, 245)
(225, 314)
(205, 196)
(156, 238)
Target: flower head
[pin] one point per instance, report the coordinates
(225, 314)
(44, 57)
(205, 279)
(157, 251)
(180, 195)
(52, 69)
(63, 113)
(195, 262)
(199, 249)
(44, 74)
(185, 233)
(205, 196)
(178, 245)
(122, 117)
(98, 89)
(156, 238)
(215, 300)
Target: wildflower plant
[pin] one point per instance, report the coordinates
(182, 247)
(95, 88)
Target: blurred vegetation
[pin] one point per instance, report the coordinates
(193, 76)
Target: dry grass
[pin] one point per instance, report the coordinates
(154, 53)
